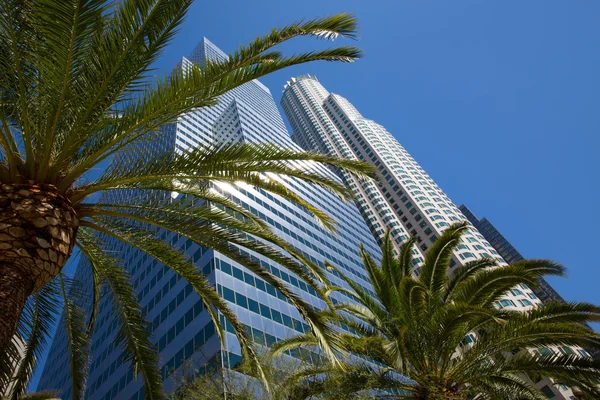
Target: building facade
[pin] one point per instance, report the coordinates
(545, 291)
(405, 196)
(181, 328)
(406, 199)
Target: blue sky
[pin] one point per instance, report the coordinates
(497, 100)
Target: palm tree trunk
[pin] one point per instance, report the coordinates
(441, 392)
(442, 396)
(15, 288)
(37, 234)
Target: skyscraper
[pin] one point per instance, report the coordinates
(182, 331)
(545, 292)
(406, 194)
(329, 123)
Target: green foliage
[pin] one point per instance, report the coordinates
(286, 379)
(36, 325)
(415, 329)
(75, 91)
(38, 396)
(77, 339)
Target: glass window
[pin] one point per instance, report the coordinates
(265, 311)
(225, 267)
(507, 303)
(566, 350)
(547, 392)
(525, 303)
(238, 274)
(241, 300)
(253, 306)
(249, 279)
(546, 351)
(277, 316)
(584, 353)
(228, 294)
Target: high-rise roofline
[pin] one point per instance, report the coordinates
(295, 79)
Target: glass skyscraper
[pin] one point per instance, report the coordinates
(406, 200)
(181, 328)
(545, 292)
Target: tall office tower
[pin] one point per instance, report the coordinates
(545, 292)
(182, 331)
(329, 123)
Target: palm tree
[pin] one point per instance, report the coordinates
(440, 336)
(74, 92)
(36, 396)
(242, 383)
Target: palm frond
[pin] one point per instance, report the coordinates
(189, 88)
(118, 59)
(233, 162)
(213, 230)
(305, 340)
(508, 386)
(365, 299)
(445, 336)
(564, 312)
(355, 324)
(18, 36)
(348, 381)
(487, 286)
(40, 319)
(66, 28)
(96, 297)
(412, 299)
(405, 258)
(362, 313)
(133, 334)
(384, 288)
(542, 267)
(572, 370)
(390, 264)
(199, 194)
(512, 334)
(465, 272)
(46, 395)
(74, 319)
(176, 261)
(437, 259)
(140, 239)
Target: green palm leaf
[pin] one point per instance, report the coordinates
(437, 260)
(47, 395)
(465, 272)
(485, 287)
(37, 324)
(405, 259)
(133, 332)
(77, 339)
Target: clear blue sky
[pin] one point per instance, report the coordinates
(499, 101)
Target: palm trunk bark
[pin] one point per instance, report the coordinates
(435, 392)
(15, 288)
(442, 396)
(37, 233)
